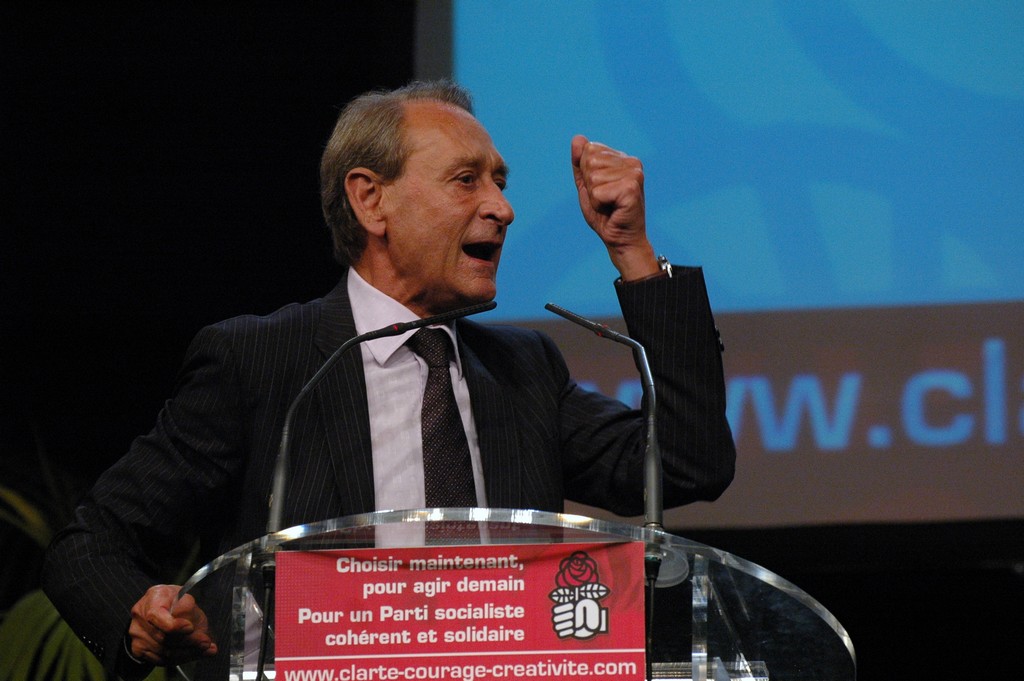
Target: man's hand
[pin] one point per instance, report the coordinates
(611, 193)
(162, 635)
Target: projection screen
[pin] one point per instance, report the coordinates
(848, 174)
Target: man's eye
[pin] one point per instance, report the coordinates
(467, 179)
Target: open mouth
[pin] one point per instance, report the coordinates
(481, 251)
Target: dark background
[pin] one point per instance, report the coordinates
(160, 173)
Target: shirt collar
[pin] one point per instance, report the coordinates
(373, 309)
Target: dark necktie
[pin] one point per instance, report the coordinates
(447, 469)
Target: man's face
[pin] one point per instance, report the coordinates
(445, 216)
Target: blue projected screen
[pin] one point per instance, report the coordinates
(807, 155)
(850, 176)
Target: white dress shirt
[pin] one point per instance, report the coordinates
(395, 379)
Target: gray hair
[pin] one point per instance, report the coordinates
(368, 134)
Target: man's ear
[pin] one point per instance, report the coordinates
(364, 190)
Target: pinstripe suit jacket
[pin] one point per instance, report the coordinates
(207, 465)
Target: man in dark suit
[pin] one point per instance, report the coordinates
(412, 189)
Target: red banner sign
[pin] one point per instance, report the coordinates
(527, 611)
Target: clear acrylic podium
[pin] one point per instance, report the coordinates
(716, 617)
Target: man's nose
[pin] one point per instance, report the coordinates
(497, 207)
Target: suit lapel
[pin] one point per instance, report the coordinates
(341, 400)
(494, 415)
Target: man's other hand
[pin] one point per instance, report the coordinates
(166, 633)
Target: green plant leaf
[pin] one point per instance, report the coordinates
(38, 645)
(25, 516)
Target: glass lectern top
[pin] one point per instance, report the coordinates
(714, 616)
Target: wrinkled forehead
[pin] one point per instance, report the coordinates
(439, 126)
(422, 113)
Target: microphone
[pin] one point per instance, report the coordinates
(653, 504)
(280, 480)
(676, 567)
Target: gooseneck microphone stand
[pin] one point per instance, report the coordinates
(653, 503)
(279, 484)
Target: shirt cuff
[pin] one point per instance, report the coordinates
(129, 667)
